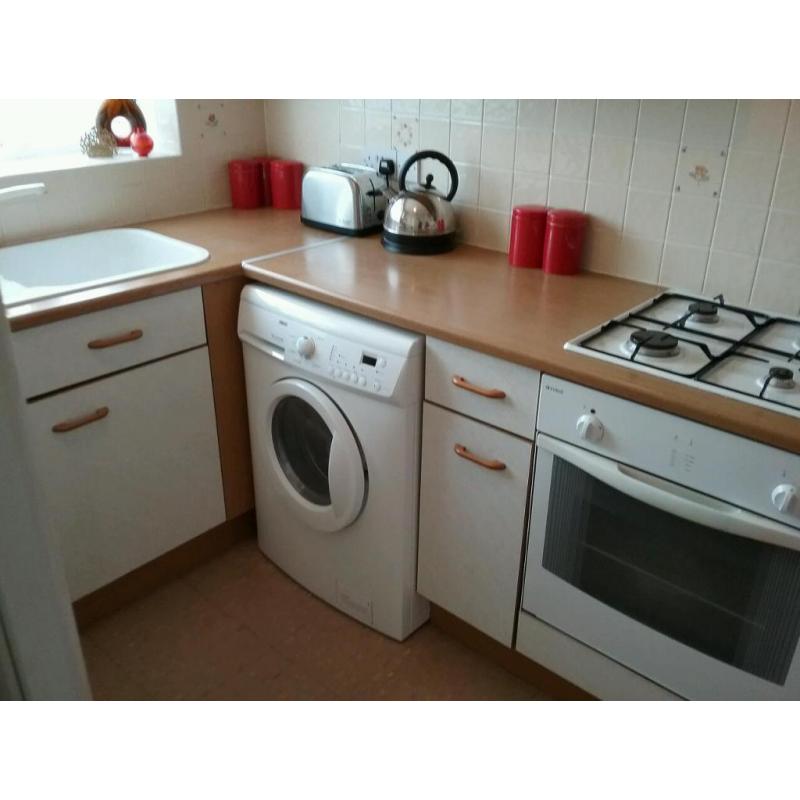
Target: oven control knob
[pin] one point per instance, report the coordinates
(590, 428)
(305, 346)
(783, 497)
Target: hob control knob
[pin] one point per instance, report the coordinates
(305, 346)
(783, 497)
(590, 428)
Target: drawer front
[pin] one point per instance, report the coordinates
(472, 520)
(140, 476)
(50, 357)
(486, 388)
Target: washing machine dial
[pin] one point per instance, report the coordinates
(305, 346)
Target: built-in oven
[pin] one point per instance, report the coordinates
(669, 546)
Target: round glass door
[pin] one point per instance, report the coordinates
(303, 446)
(314, 455)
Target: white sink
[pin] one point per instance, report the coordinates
(60, 266)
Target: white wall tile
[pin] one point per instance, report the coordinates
(759, 124)
(646, 214)
(782, 240)
(570, 156)
(575, 117)
(566, 193)
(537, 114)
(606, 203)
(405, 108)
(467, 110)
(468, 179)
(601, 250)
(467, 221)
(500, 112)
(691, 220)
(777, 287)
(731, 275)
(465, 142)
(654, 165)
(493, 230)
(709, 122)
(378, 105)
(497, 146)
(533, 149)
(791, 141)
(434, 134)
(610, 159)
(787, 187)
(740, 228)
(529, 188)
(357, 104)
(352, 127)
(638, 259)
(495, 189)
(616, 117)
(749, 176)
(405, 132)
(661, 120)
(434, 108)
(378, 129)
(683, 267)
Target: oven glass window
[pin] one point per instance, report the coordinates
(734, 599)
(303, 444)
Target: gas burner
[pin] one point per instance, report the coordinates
(654, 344)
(704, 313)
(778, 378)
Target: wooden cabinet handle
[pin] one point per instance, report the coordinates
(463, 383)
(79, 422)
(112, 341)
(489, 463)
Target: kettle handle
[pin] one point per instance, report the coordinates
(451, 168)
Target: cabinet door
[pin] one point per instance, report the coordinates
(472, 519)
(139, 479)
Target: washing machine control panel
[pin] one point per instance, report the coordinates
(362, 368)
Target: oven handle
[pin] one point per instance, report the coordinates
(673, 498)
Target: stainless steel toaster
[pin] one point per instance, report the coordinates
(345, 198)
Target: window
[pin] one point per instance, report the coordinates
(42, 135)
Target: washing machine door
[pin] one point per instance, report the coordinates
(314, 455)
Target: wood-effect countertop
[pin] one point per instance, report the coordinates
(472, 297)
(469, 296)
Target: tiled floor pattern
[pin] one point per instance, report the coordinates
(238, 629)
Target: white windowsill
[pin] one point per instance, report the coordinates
(35, 166)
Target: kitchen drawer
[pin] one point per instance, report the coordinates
(472, 520)
(136, 482)
(512, 389)
(53, 356)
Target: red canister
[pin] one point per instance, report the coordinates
(287, 180)
(563, 241)
(527, 236)
(266, 182)
(247, 186)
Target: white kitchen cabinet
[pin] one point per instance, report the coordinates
(141, 478)
(472, 519)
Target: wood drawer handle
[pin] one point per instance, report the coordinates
(112, 341)
(463, 383)
(489, 463)
(79, 422)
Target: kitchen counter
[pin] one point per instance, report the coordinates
(469, 296)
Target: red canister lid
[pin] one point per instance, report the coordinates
(242, 165)
(566, 218)
(528, 211)
(284, 164)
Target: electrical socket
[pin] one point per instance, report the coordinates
(371, 157)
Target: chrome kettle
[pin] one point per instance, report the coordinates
(421, 220)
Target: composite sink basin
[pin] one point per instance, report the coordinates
(55, 267)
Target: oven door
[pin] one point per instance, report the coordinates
(699, 596)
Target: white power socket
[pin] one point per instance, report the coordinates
(372, 158)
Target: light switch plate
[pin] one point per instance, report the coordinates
(700, 170)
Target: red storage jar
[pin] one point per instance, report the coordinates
(266, 182)
(563, 241)
(247, 187)
(527, 236)
(287, 180)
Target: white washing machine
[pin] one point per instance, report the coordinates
(335, 412)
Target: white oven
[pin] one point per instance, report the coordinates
(669, 546)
